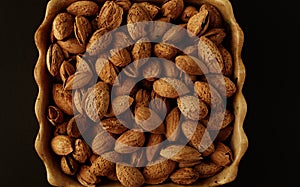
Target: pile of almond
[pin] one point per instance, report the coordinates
(148, 113)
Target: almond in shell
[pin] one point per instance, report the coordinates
(130, 141)
(129, 176)
(207, 169)
(54, 59)
(172, 8)
(62, 145)
(82, 29)
(184, 176)
(170, 87)
(62, 98)
(83, 8)
(110, 15)
(192, 107)
(181, 153)
(63, 26)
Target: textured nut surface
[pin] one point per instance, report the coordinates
(54, 59)
(62, 145)
(207, 169)
(190, 65)
(100, 145)
(129, 176)
(97, 101)
(157, 172)
(121, 103)
(110, 16)
(192, 107)
(72, 46)
(62, 98)
(68, 165)
(63, 26)
(222, 156)
(179, 153)
(172, 8)
(170, 87)
(98, 42)
(198, 23)
(172, 125)
(153, 146)
(83, 8)
(162, 50)
(130, 141)
(184, 176)
(82, 29)
(86, 177)
(113, 125)
(188, 12)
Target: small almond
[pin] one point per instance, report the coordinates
(63, 26)
(222, 156)
(184, 176)
(62, 145)
(110, 15)
(113, 125)
(81, 151)
(207, 169)
(62, 98)
(172, 125)
(83, 8)
(121, 103)
(192, 107)
(170, 87)
(129, 176)
(153, 146)
(181, 153)
(130, 141)
(172, 8)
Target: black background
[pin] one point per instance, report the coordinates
(272, 154)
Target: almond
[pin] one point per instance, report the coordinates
(181, 153)
(190, 65)
(188, 12)
(72, 46)
(172, 8)
(113, 125)
(121, 103)
(100, 145)
(209, 95)
(172, 124)
(170, 87)
(63, 26)
(137, 14)
(161, 105)
(223, 134)
(216, 35)
(62, 98)
(162, 50)
(86, 177)
(215, 17)
(110, 15)
(192, 107)
(106, 71)
(207, 169)
(218, 120)
(120, 57)
(68, 165)
(138, 158)
(99, 42)
(97, 101)
(142, 98)
(130, 141)
(54, 59)
(157, 172)
(227, 60)
(151, 70)
(222, 155)
(210, 55)
(82, 151)
(129, 176)
(198, 136)
(149, 120)
(62, 145)
(83, 8)
(153, 146)
(198, 23)
(225, 86)
(82, 29)
(141, 51)
(102, 167)
(184, 176)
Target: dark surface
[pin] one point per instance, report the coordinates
(269, 159)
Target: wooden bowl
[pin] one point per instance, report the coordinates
(238, 142)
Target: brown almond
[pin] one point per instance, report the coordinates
(153, 146)
(121, 103)
(83, 8)
(190, 65)
(68, 165)
(207, 169)
(86, 177)
(215, 17)
(106, 71)
(125, 4)
(198, 23)
(66, 69)
(62, 98)
(222, 156)
(100, 145)
(216, 35)
(162, 50)
(97, 101)
(225, 86)
(188, 12)
(113, 125)
(62, 145)
(130, 141)
(129, 176)
(181, 153)
(72, 46)
(99, 42)
(192, 107)
(137, 14)
(161, 105)
(184, 176)
(209, 53)
(198, 137)
(54, 59)
(102, 167)
(172, 8)
(227, 60)
(82, 29)
(149, 120)
(158, 171)
(209, 95)
(63, 25)
(81, 151)
(120, 57)
(141, 51)
(55, 115)
(170, 87)
(152, 9)
(151, 70)
(172, 124)
(110, 15)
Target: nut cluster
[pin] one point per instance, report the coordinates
(114, 117)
